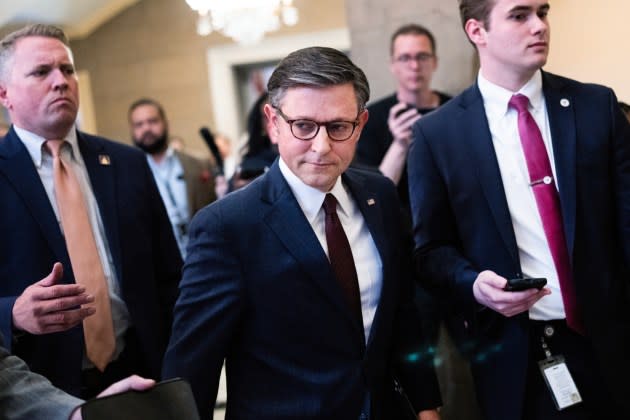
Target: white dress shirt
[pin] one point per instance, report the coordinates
(366, 257)
(44, 164)
(534, 253)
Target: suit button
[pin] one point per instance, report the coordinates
(548, 331)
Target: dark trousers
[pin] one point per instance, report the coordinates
(579, 357)
(129, 362)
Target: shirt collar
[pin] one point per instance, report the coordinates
(311, 199)
(169, 155)
(496, 98)
(35, 143)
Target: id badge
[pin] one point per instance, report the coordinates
(560, 382)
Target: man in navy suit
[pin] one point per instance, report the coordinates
(41, 305)
(258, 289)
(477, 222)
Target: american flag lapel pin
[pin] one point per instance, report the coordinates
(371, 202)
(104, 160)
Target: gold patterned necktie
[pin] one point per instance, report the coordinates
(98, 328)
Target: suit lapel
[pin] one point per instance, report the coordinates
(286, 219)
(563, 134)
(473, 120)
(17, 167)
(371, 209)
(100, 167)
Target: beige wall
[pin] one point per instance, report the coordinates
(151, 49)
(589, 42)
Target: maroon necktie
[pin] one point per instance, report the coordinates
(340, 256)
(548, 202)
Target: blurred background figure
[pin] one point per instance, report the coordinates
(221, 179)
(626, 109)
(259, 151)
(177, 143)
(384, 146)
(185, 182)
(385, 141)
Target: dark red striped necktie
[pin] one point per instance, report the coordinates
(340, 256)
(548, 203)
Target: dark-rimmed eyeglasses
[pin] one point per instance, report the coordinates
(420, 57)
(303, 129)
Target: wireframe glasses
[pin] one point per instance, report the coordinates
(304, 129)
(420, 57)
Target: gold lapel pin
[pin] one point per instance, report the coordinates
(104, 160)
(371, 202)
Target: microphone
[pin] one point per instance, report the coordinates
(208, 138)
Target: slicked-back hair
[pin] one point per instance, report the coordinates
(317, 67)
(7, 44)
(146, 101)
(476, 9)
(411, 29)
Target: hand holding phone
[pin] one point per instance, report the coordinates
(401, 117)
(519, 284)
(406, 108)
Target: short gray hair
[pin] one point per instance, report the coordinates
(317, 67)
(7, 44)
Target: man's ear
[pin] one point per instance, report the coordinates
(364, 116)
(4, 97)
(363, 119)
(272, 123)
(476, 31)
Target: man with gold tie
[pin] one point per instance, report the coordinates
(89, 266)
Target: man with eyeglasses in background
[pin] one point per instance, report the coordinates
(301, 280)
(386, 137)
(384, 144)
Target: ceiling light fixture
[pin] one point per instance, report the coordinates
(245, 21)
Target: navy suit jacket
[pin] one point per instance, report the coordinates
(259, 291)
(462, 226)
(140, 239)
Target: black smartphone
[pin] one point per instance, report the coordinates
(518, 284)
(406, 108)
